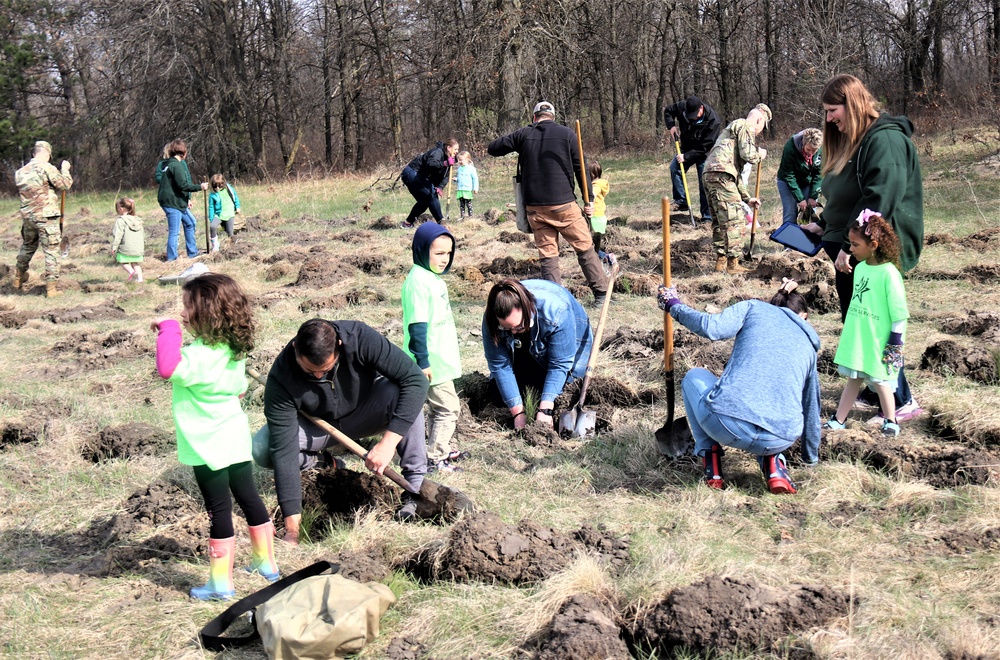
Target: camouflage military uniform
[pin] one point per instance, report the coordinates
(38, 182)
(736, 146)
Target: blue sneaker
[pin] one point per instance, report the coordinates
(775, 470)
(834, 425)
(890, 428)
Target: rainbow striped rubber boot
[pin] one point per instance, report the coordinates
(220, 571)
(262, 549)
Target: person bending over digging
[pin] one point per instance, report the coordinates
(350, 376)
(774, 345)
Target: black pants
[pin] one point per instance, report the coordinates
(844, 283)
(465, 207)
(215, 487)
(423, 192)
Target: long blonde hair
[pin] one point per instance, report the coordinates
(860, 112)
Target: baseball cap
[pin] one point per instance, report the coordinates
(42, 144)
(544, 106)
(764, 110)
(691, 108)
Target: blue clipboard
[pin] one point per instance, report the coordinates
(793, 236)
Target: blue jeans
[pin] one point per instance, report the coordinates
(709, 427)
(424, 192)
(790, 205)
(675, 176)
(176, 218)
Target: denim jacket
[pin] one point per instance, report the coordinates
(560, 338)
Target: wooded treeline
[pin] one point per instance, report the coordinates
(263, 88)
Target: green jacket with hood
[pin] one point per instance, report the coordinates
(883, 175)
(128, 238)
(176, 185)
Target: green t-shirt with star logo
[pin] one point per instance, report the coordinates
(878, 301)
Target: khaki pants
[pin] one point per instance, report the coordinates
(44, 232)
(548, 223)
(727, 217)
(444, 404)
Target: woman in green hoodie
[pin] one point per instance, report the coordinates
(869, 162)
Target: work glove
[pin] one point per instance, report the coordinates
(667, 297)
(892, 354)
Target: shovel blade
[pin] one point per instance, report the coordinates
(674, 438)
(586, 424)
(439, 502)
(567, 422)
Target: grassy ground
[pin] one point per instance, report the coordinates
(921, 558)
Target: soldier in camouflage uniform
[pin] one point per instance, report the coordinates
(736, 146)
(38, 182)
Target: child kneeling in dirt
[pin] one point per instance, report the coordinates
(213, 433)
(774, 345)
(128, 242)
(430, 338)
(223, 205)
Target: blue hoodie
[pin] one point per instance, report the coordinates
(770, 379)
(429, 334)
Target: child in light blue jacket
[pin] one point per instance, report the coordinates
(223, 205)
(467, 180)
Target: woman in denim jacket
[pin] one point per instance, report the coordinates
(535, 334)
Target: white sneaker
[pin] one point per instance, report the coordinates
(215, 244)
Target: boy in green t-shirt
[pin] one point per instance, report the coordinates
(429, 337)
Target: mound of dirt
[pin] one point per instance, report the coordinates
(985, 325)
(13, 319)
(948, 357)
(962, 541)
(128, 441)
(323, 271)
(729, 614)
(537, 434)
(980, 240)
(637, 284)
(333, 494)
(941, 466)
(474, 389)
(355, 236)
(240, 249)
(690, 256)
(481, 547)
(513, 237)
(103, 312)
(406, 648)
(981, 273)
(794, 265)
(584, 629)
(617, 240)
(15, 433)
(608, 391)
(94, 351)
(362, 566)
(511, 267)
(822, 298)
(367, 263)
(364, 297)
(385, 223)
(632, 344)
(314, 305)
(277, 271)
(494, 217)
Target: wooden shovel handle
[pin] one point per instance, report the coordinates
(347, 442)
(583, 164)
(668, 321)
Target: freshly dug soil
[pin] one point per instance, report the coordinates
(584, 629)
(985, 325)
(92, 351)
(15, 433)
(947, 357)
(632, 344)
(323, 271)
(481, 547)
(729, 614)
(796, 266)
(513, 237)
(103, 312)
(314, 305)
(368, 263)
(941, 465)
(511, 267)
(339, 494)
(128, 441)
(822, 298)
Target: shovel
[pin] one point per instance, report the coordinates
(434, 500)
(64, 242)
(583, 169)
(577, 422)
(668, 442)
(753, 222)
(684, 179)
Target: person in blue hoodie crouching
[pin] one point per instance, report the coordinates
(768, 394)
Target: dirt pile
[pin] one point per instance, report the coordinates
(941, 465)
(128, 441)
(794, 265)
(513, 237)
(482, 548)
(91, 351)
(985, 325)
(584, 629)
(315, 305)
(332, 494)
(948, 357)
(474, 388)
(322, 272)
(728, 615)
(15, 433)
(367, 263)
(511, 267)
(822, 298)
(103, 312)
(632, 344)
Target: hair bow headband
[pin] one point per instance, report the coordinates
(787, 285)
(865, 216)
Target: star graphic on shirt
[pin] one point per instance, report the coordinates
(860, 289)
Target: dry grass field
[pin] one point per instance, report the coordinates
(889, 549)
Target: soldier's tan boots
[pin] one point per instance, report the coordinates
(51, 290)
(733, 267)
(720, 264)
(20, 279)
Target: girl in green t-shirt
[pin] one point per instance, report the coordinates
(213, 433)
(871, 344)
